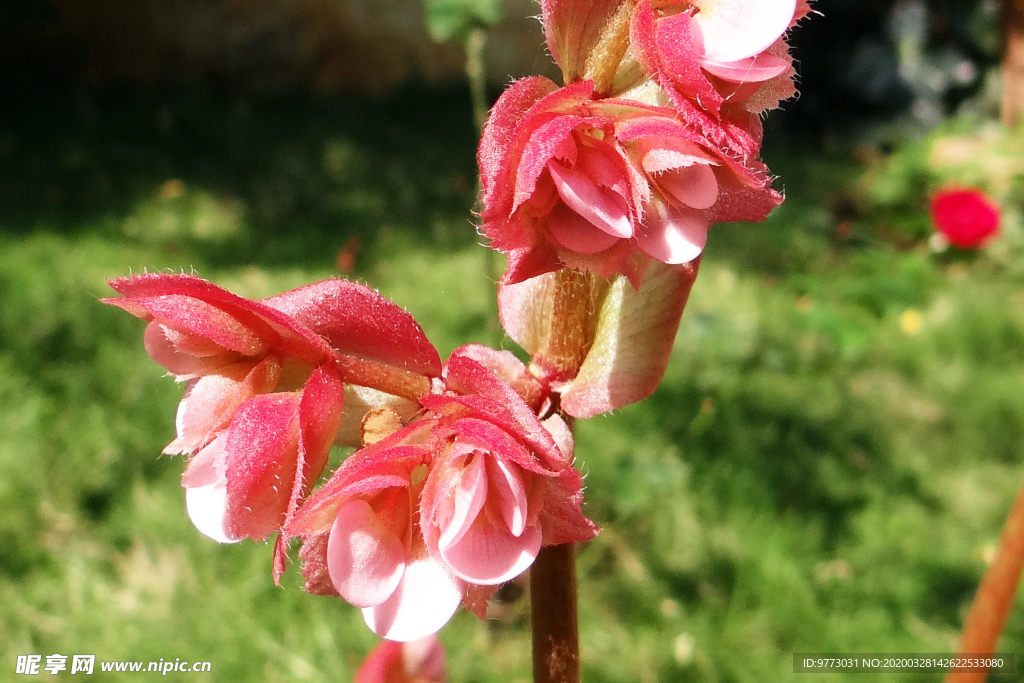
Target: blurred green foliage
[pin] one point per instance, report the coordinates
(825, 467)
(456, 19)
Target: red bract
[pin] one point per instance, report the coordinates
(445, 509)
(604, 185)
(265, 386)
(965, 217)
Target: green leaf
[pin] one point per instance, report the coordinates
(455, 19)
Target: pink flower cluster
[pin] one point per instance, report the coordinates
(601, 193)
(654, 137)
(458, 498)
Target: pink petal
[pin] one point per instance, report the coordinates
(674, 235)
(561, 516)
(695, 186)
(417, 661)
(365, 558)
(208, 466)
(262, 447)
(737, 29)
(199, 308)
(424, 659)
(424, 601)
(488, 554)
(576, 233)
(210, 402)
(179, 363)
(207, 508)
(544, 142)
(505, 365)
(761, 67)
(320, 413)
(670, 49)
(357, 320)
(235, 330)
(470, 494)
(508, 490)
(497, 150)
(661, 153)
(602, 208)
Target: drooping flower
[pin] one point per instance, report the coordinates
(966, 218)
(719, 62)
(417, 661)
(604, 185)
(442, 511)
(265, 386)
(716, 51)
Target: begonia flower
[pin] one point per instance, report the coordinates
(604, 185)
(444, 510)
(265, 386)
(966, 218)
(416, 661)
(720, 62)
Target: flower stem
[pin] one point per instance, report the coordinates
(556, 640)
(570, 325)
(476, 74)
(386, 378)
(994, 598)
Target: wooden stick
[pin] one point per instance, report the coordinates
(994, 599)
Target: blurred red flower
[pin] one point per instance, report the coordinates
(965, 217)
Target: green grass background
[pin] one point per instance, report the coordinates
(816, 473)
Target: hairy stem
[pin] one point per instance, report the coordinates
(386, 378)
(571, 322)
(994, 598)
(556, 640)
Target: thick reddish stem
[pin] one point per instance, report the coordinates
(995, 595)
(556, 640)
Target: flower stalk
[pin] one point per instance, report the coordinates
(554, 621)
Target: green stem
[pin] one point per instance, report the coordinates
(476, 41)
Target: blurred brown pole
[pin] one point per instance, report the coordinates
(553, 620)
(995, 595)
(1013, 61)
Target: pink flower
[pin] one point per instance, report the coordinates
(445, 509)
(265, 392)
(965, 217)
(417, 661)
(604, 185)
(720, 62)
